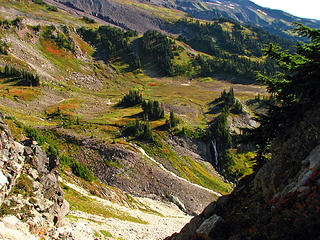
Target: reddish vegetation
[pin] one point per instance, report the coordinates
(52, 48)
(16, 92)
(68, 106)
(24, 93)
(64, 107)
(83, 45)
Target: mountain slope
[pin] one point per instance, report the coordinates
(126, 14)
(58, 89)
(74, 105)
(145, 15)
(245, 11)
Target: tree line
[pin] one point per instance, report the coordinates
(23, 77)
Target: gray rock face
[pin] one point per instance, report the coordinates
(37, 198)
(11, 160)
(208, 226)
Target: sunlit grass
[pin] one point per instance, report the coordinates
(82, 203)
(161, 12)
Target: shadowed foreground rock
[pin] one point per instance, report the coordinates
(280, 201)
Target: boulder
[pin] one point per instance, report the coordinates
(208, 226)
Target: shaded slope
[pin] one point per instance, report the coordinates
(126, 14)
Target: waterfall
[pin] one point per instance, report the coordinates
(214, 146)
(141, 150)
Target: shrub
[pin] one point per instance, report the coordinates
(52, 8)
(62, 40)
(3, 48)
(88, 20)
(52, 150)
(77, 168)
(34, 135)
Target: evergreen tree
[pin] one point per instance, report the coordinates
(296, 89)
(152, 110)
(133, 98)
(173, 121)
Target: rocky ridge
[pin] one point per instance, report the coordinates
(29, 188)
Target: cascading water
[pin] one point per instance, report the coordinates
(216, 158)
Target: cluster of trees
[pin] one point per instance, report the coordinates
(211, 37)
(77, 168)
(7, 24)
(138, 129)
(152, 110)
(22, 77)
(234, 65)
(160, 47)
(227, 102)
(52, 8)
(61, 39)
(133, 98)
(39, 2)
(230, 102)
(227, 46)
(111, 42)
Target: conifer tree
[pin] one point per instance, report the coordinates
(296, 89)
